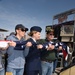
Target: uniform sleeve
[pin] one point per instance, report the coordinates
(20, 45)
(26, 51)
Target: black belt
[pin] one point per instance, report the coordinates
(48, 61)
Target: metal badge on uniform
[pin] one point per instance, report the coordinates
(22, 46)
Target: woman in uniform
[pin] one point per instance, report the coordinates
(33, 62)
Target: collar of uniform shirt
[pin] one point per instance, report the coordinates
(34, 39)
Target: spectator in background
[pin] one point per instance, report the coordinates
(57, 50)
(67, 53)
(12, 33)
(2, 62)
(70, 51)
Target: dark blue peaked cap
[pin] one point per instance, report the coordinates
(36, 28)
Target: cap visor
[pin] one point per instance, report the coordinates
(26, 29)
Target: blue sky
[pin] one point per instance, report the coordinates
(31, 12)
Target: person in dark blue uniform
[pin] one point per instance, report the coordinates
(33, 62)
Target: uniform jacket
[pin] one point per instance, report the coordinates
(33, 61)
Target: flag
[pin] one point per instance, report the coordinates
(65, 54)
(3, 43)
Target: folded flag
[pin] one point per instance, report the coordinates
(4, 43)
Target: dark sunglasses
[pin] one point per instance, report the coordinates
(23, 30)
